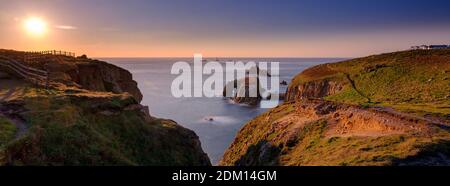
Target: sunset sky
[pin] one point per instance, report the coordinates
(225, 28)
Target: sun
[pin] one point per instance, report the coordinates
(35, 26)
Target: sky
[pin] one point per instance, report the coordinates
(226, 28)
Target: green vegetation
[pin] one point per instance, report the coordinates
(310, 146)
(315, 149)
(91, 128)
(410, 81)
(7, 131)
(416, 82)
(89, 115)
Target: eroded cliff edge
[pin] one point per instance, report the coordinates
(80, 72)
(90, 115)
(389, 109)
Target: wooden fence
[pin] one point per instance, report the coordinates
(52, 52)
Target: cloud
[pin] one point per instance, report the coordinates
(66, 27)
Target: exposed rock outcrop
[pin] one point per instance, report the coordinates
(93, 117)
(97, 129)
(247, 90)
(93, 75)
(315, 132)
(313, 89)
(241, 91)
(365, 111)
(80, 72)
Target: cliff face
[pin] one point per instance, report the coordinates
(93, 75)
(80, 72)
(86, 128)
(91, 116)
(389, 109)
(240, 89)
(318, 132)
(410, 81)
(314, 89)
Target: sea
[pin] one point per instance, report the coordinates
(215, 120)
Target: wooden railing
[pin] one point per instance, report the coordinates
(52, 52)
(33, 75)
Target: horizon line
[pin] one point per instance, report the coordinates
(228, 57)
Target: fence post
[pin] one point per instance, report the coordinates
(33, 53)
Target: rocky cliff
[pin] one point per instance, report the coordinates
(93, 117)
(389, 109)
(80, 72)
(240, 91)
(314, 89)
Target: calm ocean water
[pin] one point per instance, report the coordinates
(154, 80)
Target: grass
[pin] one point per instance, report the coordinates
(416, 82)
(314, 149)
(7, 131)
(413, 81)
(311, 147)
(71, 129)
(255, 131)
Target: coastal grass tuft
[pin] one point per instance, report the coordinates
(7, 131)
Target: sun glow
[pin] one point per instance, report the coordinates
(35, 26)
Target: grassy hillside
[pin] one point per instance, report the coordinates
(411, 81)
(78, 127)
(340, 114)
(289, 137)
(88, 115)
(7, 131)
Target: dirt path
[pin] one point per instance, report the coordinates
(403, 114)
(9, 88)
(356, 89)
